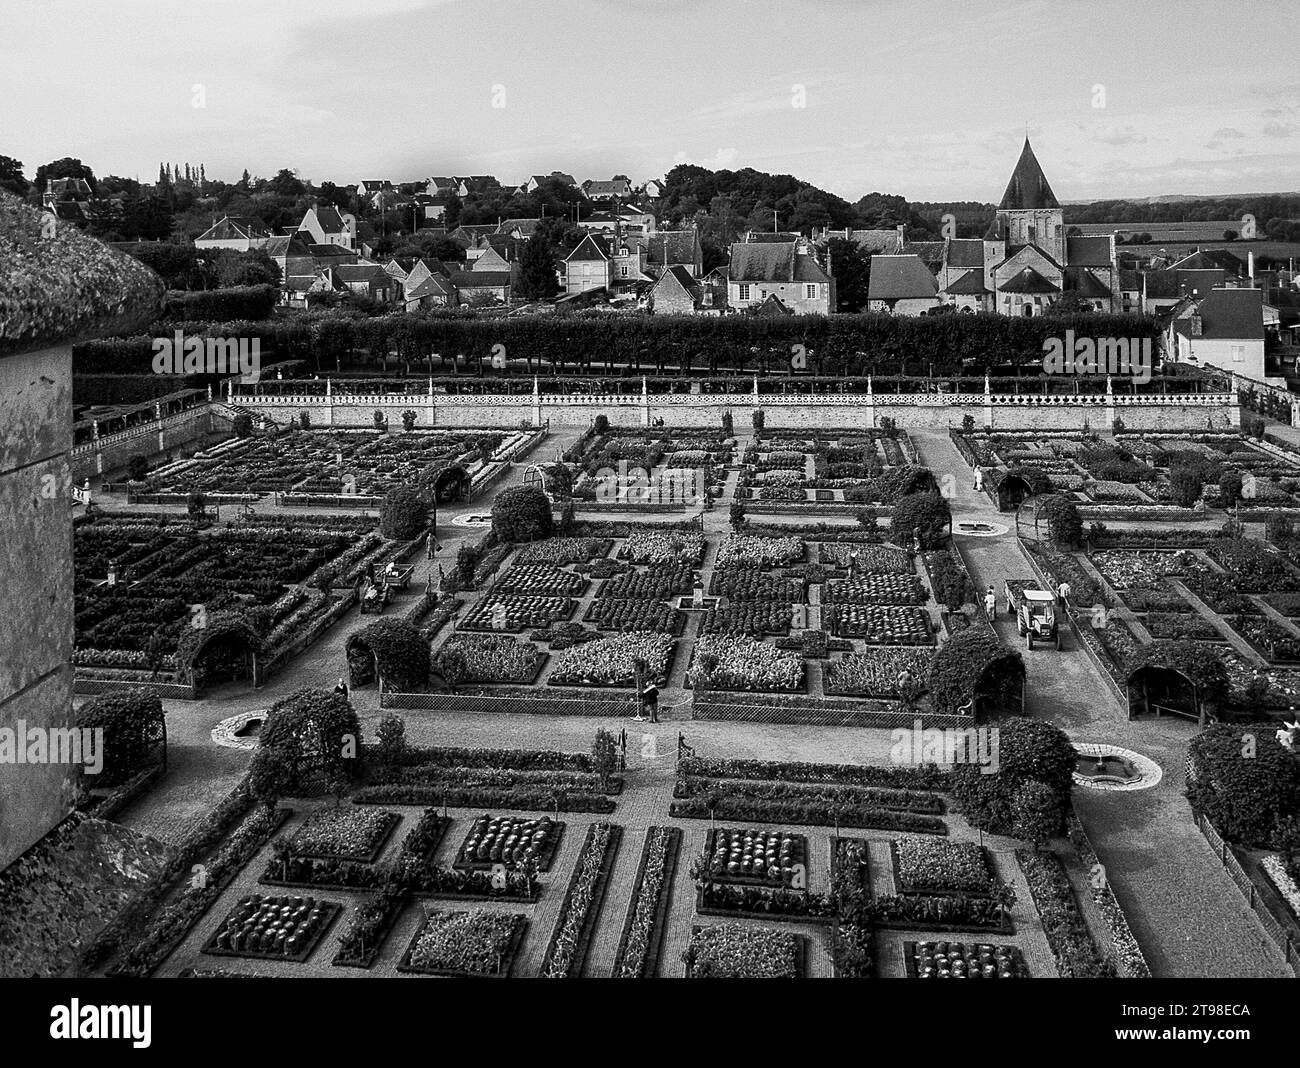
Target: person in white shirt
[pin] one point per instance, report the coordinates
(991, 604)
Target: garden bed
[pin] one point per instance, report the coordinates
(738, 951)
(345, 833)
(258, 927)
(510, 841)
(567, 951)
(960, 960)
(466, 945)
(641, 943)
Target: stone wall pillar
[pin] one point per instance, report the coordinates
(988, 403)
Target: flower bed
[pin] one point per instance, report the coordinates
(762, 858)
(737, 951)
(638, 950)
(511, 841)
(1276, 870)
(630, 615)
(364, 937)
(652, 547)
(273, 928)
(1063, 923)
(744, 550)
(540, 580)
(1283, 686)
(875, 589)
(494, 658)
(752, 584)
(465, 944)
(1135, 569)
(753, 618)
(1275, 642)
(1182, 625)
(960, 960)
(567, 950)
(875, 673)
(1105, 492)
(877, 558)
(751, 803)
(612, 661)
(348, 833)
(745, 664)
(658, 582)
(880, 624)
(516, 613)
(927, 866)
(563, 551)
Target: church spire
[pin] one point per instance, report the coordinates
(1028, 188)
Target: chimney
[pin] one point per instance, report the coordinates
(1250, 265)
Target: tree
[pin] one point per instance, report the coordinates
(736, 515)
(253, 268)
(304, 420)
(324, 582)
(270, 776)
(1071, 303)
(381, 420)
(285, 184)
(453, 666)
(390, 740)
(1029, 750)
(67, 167)
(728, 427)
(1064, 524)
(408, 420)
(537, 279)
(851, 269)
(522, 513)
(1229, 488)
(138, 467)
(927, 513)
(12, 178)
(1037, 816)
(242, 425)
(757, 418)
(404, 514)
(196, 504)
(604, 756)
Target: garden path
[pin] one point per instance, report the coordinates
(1187, 915)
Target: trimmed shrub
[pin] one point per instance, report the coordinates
(1029, 751)
(404, 514)
(522, 513)
(1064, 524)
(927, 512)
(401, 655)
(1245, 783)
(133, 723)
(317, 735)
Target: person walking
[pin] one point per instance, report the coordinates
(979, 479)
(342, 687)
(991, 604)
(1062, 593)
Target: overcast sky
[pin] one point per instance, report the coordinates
(927, 100)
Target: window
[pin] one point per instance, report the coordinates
(810, 291)
(744, 292)
(1238, 353)
(623, 271)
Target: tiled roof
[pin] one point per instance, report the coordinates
(589, 248)
(526, 227)
(1028, 281)
(680, 246)
(236, 228)
(678, 276)
(282, 247)
(900, 277)
(434, 285)
(330, 220)
(773, 306)
(1212, 259)
(360, 272)
(480, 279)
(1087, 284)
(762, 262)
(1162, 284)
(1087, 251)
(1028, 186)
(969, 284)
(336, 251)
(1130, 281)
(67, 287)
(965, 252)
(1236, 314)
(807, 269)
(929, 252)
(616, 188)
(876, 241)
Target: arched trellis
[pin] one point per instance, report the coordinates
(232, 633)
(1182, 678)
(975, 674)
(449, 483)
(392, 651)
(134, 729)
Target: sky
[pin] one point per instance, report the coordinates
(927, 100)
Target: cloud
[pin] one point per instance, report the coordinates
(1226, 132)
(1114, 135)
(1276, 129)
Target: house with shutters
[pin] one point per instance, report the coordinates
(901, 285)
(328, 227)
(239, 233)
(762, 269)
(589, 266)
(1224, 329)
(614, 189)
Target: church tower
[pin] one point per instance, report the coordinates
(1029, 213)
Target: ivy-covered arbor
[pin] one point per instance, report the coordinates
(1181, 678)
(317, 737)
(975, 674)
(223, 649)
(394, 650)
(1012, 486)
(135, 731)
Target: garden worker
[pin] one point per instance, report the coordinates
(342, 687)
(991, 604)
(650, 700)
(979, 479)
(1063, 593)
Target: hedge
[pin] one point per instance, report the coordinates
(1246, 784)
(973, 660)
(402, 655)
(133, 723)
(1028, 751)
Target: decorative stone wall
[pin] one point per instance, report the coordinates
(113, 452)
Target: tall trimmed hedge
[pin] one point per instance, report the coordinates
(237, 302)
(316, 733)
(404, 514)
(1029, 752)
(401, 654)
(927, 512)
(974, 660)
(1247, 785)
(522, 513)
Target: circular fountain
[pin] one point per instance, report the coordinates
(1109, 767)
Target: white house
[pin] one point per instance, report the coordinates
(1225, 329)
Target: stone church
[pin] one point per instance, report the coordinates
(1028, 258)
